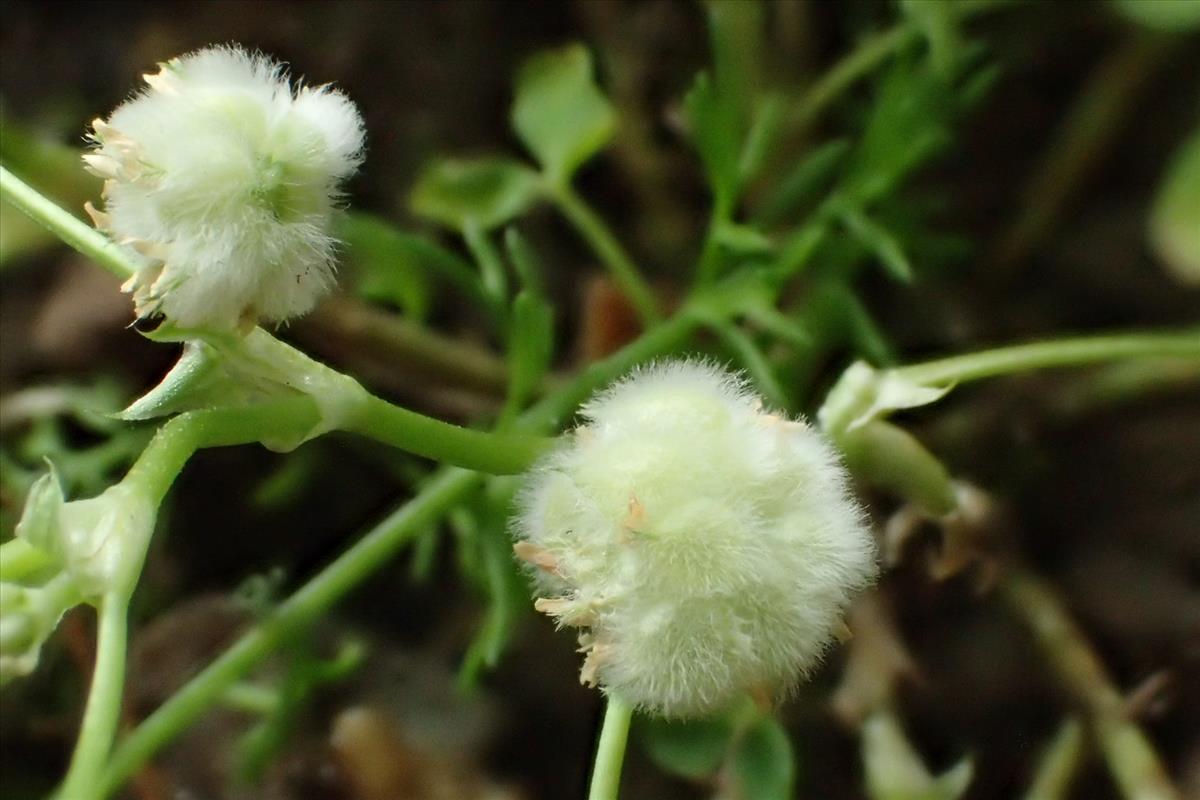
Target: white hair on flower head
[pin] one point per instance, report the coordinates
(707, 547)
(226, 178)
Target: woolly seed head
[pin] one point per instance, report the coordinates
(705, 546)
(225, 178)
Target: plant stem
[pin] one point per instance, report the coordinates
(491, 267)
(369, 554)
(610, 752)
(181, 436)
(293, 615)
(1072, 352)
(70, 229)
(494, 453)
(104, 701)
(869, 54)
(1131, 757)
(593, 229)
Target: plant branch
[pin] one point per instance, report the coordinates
(293, 615)
(72, 230)
(494, 453)
(1072, 352)
(103, 710)
(369, 554)
(610, 252)
(610, 751)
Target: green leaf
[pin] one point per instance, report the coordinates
(716, 133)
(695, 749)
(387, 271)
(803, 183)
(938, 21)
(763, 765)
(524, 261)
(530, 344)
(486, 192)
(743, 240)
(559, 112)
(909, 122)
(879, 241)
(1175, 218)
(767, 124)
(196, 381)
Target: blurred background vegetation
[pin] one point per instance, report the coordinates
(1031, 220)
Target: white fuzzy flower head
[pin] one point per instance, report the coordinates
(226, 178)
(707, 547)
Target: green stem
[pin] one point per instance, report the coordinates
(491, 267)
(860, 62)
(103, 710)
(1073, 352)
(293, 615)
(864, 58)
(70, 229)
(610, 752)
(371, 553)
(754, 362)
(181, 436)
(593, 229)
(495, 453)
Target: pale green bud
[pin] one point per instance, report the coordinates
(707, 546)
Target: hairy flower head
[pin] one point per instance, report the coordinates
(707, 546)
(225, 178)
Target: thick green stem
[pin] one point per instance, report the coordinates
(103, 710)
(495, 453)
(1074, 352)
(592, 228)
(181, 436)
(70, 229)
(610, 751)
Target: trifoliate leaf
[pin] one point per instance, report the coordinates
(1175, 219)
(763, 765)
(484, 192)
(559, 112)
